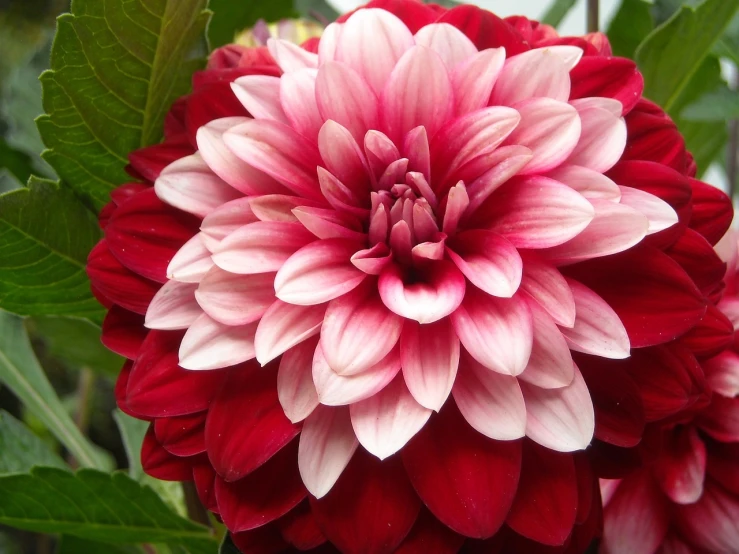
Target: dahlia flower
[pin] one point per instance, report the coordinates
(368, 300)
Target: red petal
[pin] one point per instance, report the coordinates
(721, 419)
(546, 501)
(616, 78)
(120, 390)
(160, 464)
(467, 480)
(182, 435)
(123, 332)
(300, 529)
(681, 468)
(414, 14)
(212, 101)
(722, 464)
(246, 425)
(698, 258)
(711, 336)
(429, 535)
(264, 495)
(485, 29)
(652, 136)
(587, 483)
(264, 540)
(371, 508)
(148, 162)
(712, 211)
(205, 483)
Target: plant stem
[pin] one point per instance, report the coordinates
(84, 395)
(195, 509)
(593, 15)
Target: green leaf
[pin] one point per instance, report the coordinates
(45, 237)
(324, 12)
(132, 433)
(228, 546)
(728, 45)
(16, 162)
(96, 506)
(22, 374)
(720, 105)
(20, 449)
(76, 342)
(230, 18)
(630, 26)
(673, 52)
(557, 12)
(75, 545)
(116, 67)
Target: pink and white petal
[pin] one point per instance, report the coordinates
(711, 522)
(260, 95)
(295, 388)
(456, 206)
(393, 175)
(597, 329)
(438, 295)
(227, 165)
(680, 469)
(354, 321)
(615, 228)
(418, 92)
(371, 42)
(489, 261)
(609, 104)
(561, 419)
(327, 443)
(373, 260)
(298, 98)
(291, 57)
(224, 220)
(498, 167)
(417, 150)
(329, 224)
(345, 97)
(430, 358)
(319, 272)
(380, 151)
(329, 42)
(235, 299)
(339, 195)
(284, 326)
(431, 250)
(602, 140)
(208, 344)
(386, 421)
(722, 373)
(260, 247)
(544, 283)
(173, 307)
(190, 185)
(536, 212)
(191, 262)
(497, 332)
(660, 214)
(473, 80)
(540, 72)
(491, 403)
(278, 207)
(343, 158)
(550, 365)
(589, 183)
(451, 44)
(550, 129)
(335, 390)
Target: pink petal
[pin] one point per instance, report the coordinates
(234, 299)
(284, 326)
(343, 157)
(448, 42)
(373, 260)
(278, 207)
(660, 214)
(457, 203)
(190, 185)
(430, 358)
(335, 390)
(212, 345)
(358, 331)
(224, 220)
(173, 307)
(560, 419)
(609, 104)
(497, 332)
(380, 151)
(327, 443)
(589, 183)
(711, 522)
(371, 42)
(295, 388)
(431, 250)
(298, 98)
(291, 57)
(536, 212)
(491, 403)
(385, 422)
(540, 72)
(344, 97)
(260, 95)
(550, 129)
(329, 42)
(416, 149)
(191, 262)
(597, 330)
(489, 261)
(722, 373)
(498, 166)
(260, 247)
(615, 228)
(681, 467)
(329, 224)
(441, 292)
(339, 195)
(545, 284)
(318, 272)
(474, 79)
(602, 140)
(418, 92)
(550, 365)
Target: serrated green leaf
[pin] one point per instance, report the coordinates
(116, 67)
(20, 449)
(76, 342)
(89, 504)
(45, 237)
(22, 374)
(672, 53)
(76, 545)
(557, 11)
(630, 26)
(230, 18)
(132, 432)
(719, 105)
